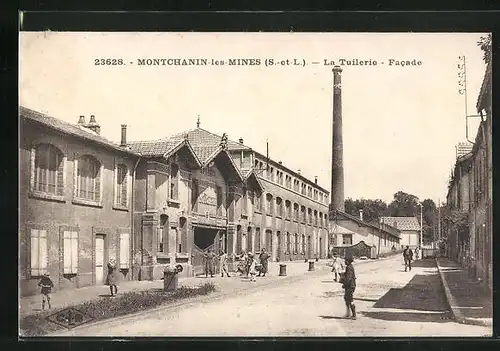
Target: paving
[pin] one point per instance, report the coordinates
(470, 300)
(390, 302)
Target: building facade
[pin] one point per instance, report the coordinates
(85, 200)
(468, 222)
(75, 191)
(348, 230)
(409, 227)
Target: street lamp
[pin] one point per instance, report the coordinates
(421, 222)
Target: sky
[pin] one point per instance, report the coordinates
(400, 123)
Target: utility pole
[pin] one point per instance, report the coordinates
(439, 219)
(421, 223)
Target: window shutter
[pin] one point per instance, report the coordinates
(67, 252)
(124, 250)
(60, 177)
(35, 251)
(74, 252)
(43, 251)
(124, 186)
(98, 184)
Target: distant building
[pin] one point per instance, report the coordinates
(75, 200)
(409, 228)
(348, 230)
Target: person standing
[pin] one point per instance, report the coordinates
(112, 279)
(208, 257)
(417, 252)
(223, 264)
(408, 257)
(251, 268)
(46, 286)
(264, 257)
(349, 285)
(337, 267)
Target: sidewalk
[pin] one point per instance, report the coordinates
(470, 301)
(71, 297)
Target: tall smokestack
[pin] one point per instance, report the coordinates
(337, 153)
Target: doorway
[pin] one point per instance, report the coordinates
(99, 259)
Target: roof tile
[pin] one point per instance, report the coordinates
(402, 223)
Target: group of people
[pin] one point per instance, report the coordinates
(250, 266)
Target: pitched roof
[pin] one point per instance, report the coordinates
(367, 224)
(338, 229)
(205, 144)
(154, 147)
(485, 88)
(402, 223)
(70, 129)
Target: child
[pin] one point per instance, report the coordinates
(251, 269)
(349, 284)
(46, 284)
(112, 279)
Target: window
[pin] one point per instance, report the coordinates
(194, 195)
(70, 248)
(258, 202)
(288, 209)
(310, 216)
(296, 211)
(315, 217)
(320, 219)
(174, 181)
(303, 243)
(121, 185)
(257, 239)
(48, 170)
(303, 211)
(279, 207)
(88, 179)
(218, 191)
(39, 252)
(346, 239)
(244, 205)
(288, 243)
(269, 204)
(124, 251)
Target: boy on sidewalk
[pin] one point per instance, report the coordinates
(46, 284)
(348, 281)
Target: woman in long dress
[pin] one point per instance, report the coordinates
(112, 279)
(338, 267)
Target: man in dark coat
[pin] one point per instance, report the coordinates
(349, 285)
(46, 286)
(408, 257)
(209, 257)
(264, 257)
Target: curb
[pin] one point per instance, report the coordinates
(455, 311)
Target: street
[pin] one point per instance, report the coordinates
(390, 302)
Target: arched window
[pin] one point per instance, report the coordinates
(88, 179)
(279, 207)
(269, 204)
(48, 175)
(296, 249)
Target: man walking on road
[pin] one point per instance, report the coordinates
(209, 257)
(408, 257)
(349, 284)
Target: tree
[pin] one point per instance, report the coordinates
(485, 44)
(429, 216)
(372, 209)
(404, 205)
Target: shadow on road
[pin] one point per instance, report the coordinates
(424, 292)
(425, 263)
(332, 317)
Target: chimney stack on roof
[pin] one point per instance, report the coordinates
(280, 162)
(241, 140)
(123, 141)
(298, 171)
(93, 125)
(81, 120)
(315, 179)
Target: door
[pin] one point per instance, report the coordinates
(99, 259)
(309, 247)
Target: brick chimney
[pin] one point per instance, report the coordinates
(241, 140)
(81, 120)
(123, 141)
(315, 179)
(93, 125)
(337, 186)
